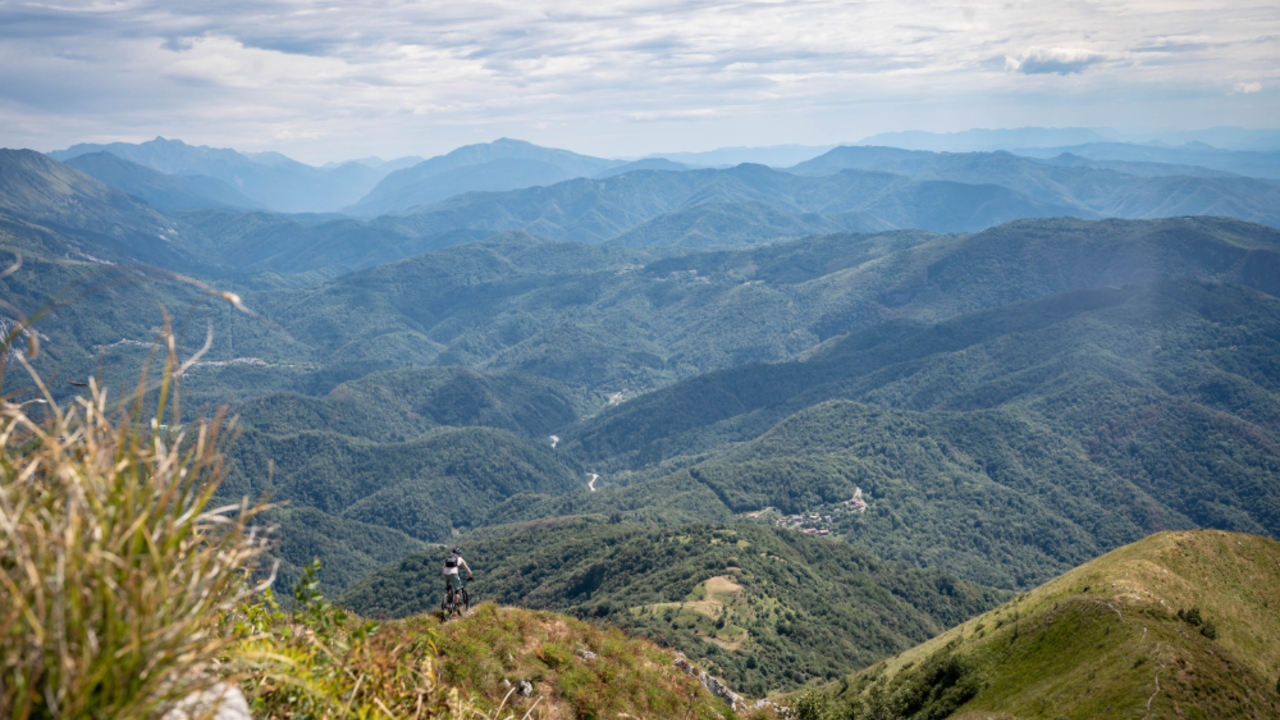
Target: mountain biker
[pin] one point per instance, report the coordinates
(452, 564)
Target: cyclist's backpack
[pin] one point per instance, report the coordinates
(452, 560)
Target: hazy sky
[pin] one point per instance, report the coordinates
(333, 80)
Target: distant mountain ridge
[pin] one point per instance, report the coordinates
(584, 210)
(1258, 164)
(275, 181)
(164, 192)
(1091, 192)
(503, 164)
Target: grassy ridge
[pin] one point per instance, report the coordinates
(1110, 638)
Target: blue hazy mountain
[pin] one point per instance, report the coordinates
(270, 179)
(1249, 163)
(1092, 192)
(164, 192)
(771, 155)
(728, 225)
(656, 163)
(593, 211)
(503, 164)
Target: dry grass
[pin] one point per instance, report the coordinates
(115, 572)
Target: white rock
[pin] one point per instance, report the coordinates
(227, 698)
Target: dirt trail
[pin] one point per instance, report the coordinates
(592, 485)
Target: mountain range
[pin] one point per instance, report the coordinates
(792, 421)
(269, 179)
(1251, 163)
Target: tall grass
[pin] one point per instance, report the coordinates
(116, 573)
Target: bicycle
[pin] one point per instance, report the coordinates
(455, 603)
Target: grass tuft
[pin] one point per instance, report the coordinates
(116, 574)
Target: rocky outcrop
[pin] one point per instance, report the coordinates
(712, 684)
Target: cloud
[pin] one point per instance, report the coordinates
(389, 76)
(1244, 88)
(1062, 61)
(674, 115)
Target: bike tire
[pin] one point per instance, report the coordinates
(466, 602)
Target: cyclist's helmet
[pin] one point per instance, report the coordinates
(456, 551)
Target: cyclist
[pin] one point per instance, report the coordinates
(453, 581)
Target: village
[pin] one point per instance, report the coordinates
(811, 523)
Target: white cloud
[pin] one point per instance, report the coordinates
(1244, 88)
(674, 115)
(416, 76)
(1060, 61)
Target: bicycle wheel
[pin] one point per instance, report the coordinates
(466, 602)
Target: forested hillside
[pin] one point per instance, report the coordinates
(1011, 444)
(615, 319)
(1144, 192)
(765, 608)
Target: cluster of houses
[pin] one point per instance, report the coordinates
(795, 521)
(854, 504)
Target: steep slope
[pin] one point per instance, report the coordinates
(764, 608)
(164, 192)
(503, 164)
(57, 211)
(1179, 625)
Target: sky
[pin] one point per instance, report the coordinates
(324, 81)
